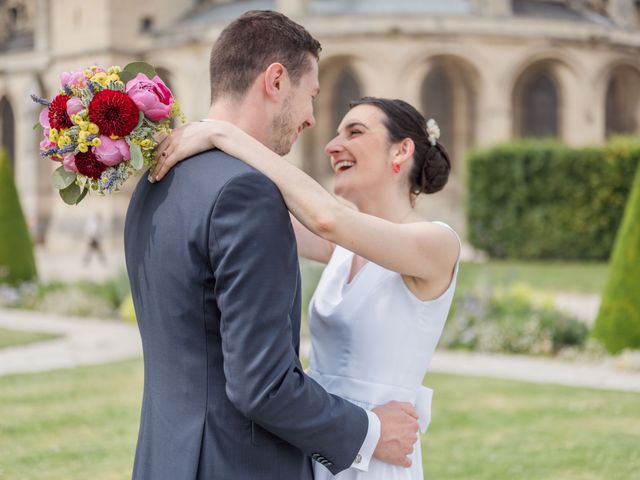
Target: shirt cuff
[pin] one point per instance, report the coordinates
(365, 454)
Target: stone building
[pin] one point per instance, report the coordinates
(486, 70)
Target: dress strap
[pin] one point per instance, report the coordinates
(455, 233)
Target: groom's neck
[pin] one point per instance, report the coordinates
(243, 114)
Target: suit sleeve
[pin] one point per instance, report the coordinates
(253, 254)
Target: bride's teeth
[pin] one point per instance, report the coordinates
(344, 164)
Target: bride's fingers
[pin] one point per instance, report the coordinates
(167, 160)
(162, 146)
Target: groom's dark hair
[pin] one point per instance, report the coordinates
(251, 43)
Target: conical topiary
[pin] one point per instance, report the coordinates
(17, 263)
(618, 322)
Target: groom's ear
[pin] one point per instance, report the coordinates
(275, 80)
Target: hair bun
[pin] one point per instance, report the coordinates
(434, 171)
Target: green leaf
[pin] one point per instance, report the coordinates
(72, 195)
(131, 70)
(137, 161)
(140, 119)
(61, 179)
(82, 195)
(125, 76)
(36, 125)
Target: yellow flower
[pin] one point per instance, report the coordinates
(96, 142)
(146, 143)
(53, 135)
(84, 125)
(82, 135)
(101, 78)
(113, 78)
(114, 137)
(83, 147)
(93, 129)
(114, 69)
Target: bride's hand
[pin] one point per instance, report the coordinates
(183, 142)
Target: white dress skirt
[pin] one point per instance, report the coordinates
(372, 342)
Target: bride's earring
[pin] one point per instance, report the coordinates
(396, 167)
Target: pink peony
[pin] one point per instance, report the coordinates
(152, 97)
(73, 79)
(69, 162)
(74, 105)
(112, 152)
(44, 119)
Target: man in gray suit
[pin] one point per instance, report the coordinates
(212, 262)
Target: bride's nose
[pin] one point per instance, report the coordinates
(333, 147)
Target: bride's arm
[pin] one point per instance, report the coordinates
(421, 250)
(310, 245)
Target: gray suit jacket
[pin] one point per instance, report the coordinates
(212, 262)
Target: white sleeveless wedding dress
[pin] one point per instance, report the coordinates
(372, 342)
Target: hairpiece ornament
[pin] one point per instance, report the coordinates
(433, 132)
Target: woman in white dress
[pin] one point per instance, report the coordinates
(381, 304)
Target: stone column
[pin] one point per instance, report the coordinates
(41, 23)
(292, 8)
(494, 8)
(623, 12)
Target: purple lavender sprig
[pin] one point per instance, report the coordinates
(51, 151)
(40, 100)
(67, 149)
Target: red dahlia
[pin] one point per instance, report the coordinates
(58, 117)
(114, 113)
(88, 165)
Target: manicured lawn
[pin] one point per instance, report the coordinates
(82, 423)
(12, 338)
(551, 276)
(487, 429)
(70, 424)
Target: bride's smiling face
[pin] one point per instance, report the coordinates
(360, 154)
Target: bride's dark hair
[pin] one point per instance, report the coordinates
(431, 163)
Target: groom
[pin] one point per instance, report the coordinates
(213, 268)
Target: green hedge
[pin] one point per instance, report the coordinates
(17, 263)
(543, 200)
(618, 322)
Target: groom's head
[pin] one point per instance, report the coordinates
(268, 63)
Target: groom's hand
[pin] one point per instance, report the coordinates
(398, 433)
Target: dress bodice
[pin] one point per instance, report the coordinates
(372, 342)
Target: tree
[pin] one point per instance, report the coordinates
(618, 322)
(17, 263)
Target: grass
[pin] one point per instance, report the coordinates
(549, 276)
(82, 423)
(492, 429)
(70, 424)
(13, 338)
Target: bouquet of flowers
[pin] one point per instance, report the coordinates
(103, 127)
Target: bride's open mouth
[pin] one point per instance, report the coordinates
(343, 165)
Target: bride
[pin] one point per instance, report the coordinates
(381, 304)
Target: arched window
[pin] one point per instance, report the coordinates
(539, 106)
(346, 90)
(438, 102)
(7, 131)
(623, 102)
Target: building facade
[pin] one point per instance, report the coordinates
(486, 70)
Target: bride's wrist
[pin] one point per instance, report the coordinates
(216, 131)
